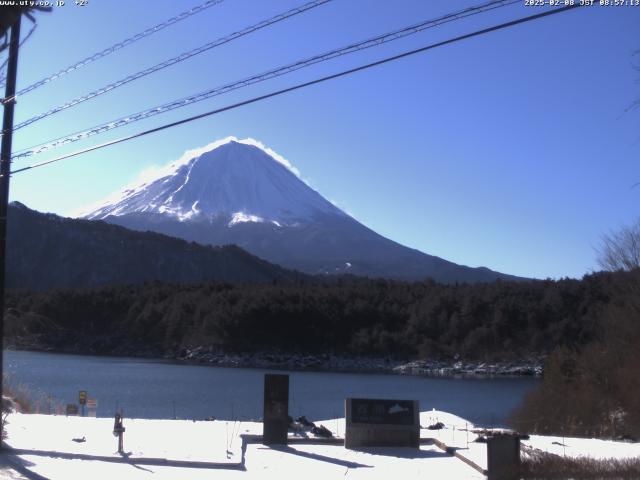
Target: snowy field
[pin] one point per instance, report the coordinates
(67, 448)
(584, 447)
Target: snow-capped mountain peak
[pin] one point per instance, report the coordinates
(241, 180)
(240, 192)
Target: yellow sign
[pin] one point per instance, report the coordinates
(82, 397)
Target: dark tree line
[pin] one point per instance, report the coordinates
(495, 321)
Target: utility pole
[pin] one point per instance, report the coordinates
(5, 169)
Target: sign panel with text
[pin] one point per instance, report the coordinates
(373, 422)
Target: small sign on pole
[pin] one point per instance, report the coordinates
(72, 409)
(82, 399)
(92, 404)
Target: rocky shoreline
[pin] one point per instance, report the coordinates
(336, 363)
(531, 366)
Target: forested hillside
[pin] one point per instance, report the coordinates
(501, 320)
(48, 251)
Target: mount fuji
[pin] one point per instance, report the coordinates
(239, 192)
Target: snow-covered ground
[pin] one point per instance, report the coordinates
(44, 447)
(159, 449)
(584, 447)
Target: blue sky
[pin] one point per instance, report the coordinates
(511, 150)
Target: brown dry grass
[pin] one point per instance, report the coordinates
(20, 394)
(543, 466)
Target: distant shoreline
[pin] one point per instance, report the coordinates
(330, 363)
(337, 363)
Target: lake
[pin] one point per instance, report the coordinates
(146, 388)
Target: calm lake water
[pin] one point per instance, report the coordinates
(159, 389)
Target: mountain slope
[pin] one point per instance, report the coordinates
(48, 251)
(238, 192)
(233, 180)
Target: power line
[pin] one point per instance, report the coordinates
(303, 85)
(3, 78)
(124, 43)
(185, 101)
(172, 61)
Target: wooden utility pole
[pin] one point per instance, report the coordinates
(5, 169)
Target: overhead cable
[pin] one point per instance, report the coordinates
(124, 43)
(198, 97)
(172, 61)
(3, 77)
(302, 85)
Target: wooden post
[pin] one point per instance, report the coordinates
(5, 169)
(118, 431)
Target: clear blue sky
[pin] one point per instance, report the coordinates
(511, 150)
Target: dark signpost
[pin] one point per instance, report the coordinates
(118, 431)
(276, 409)
(382, 423)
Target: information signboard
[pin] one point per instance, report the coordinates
(373, 422)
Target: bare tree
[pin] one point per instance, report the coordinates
(621, 250)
